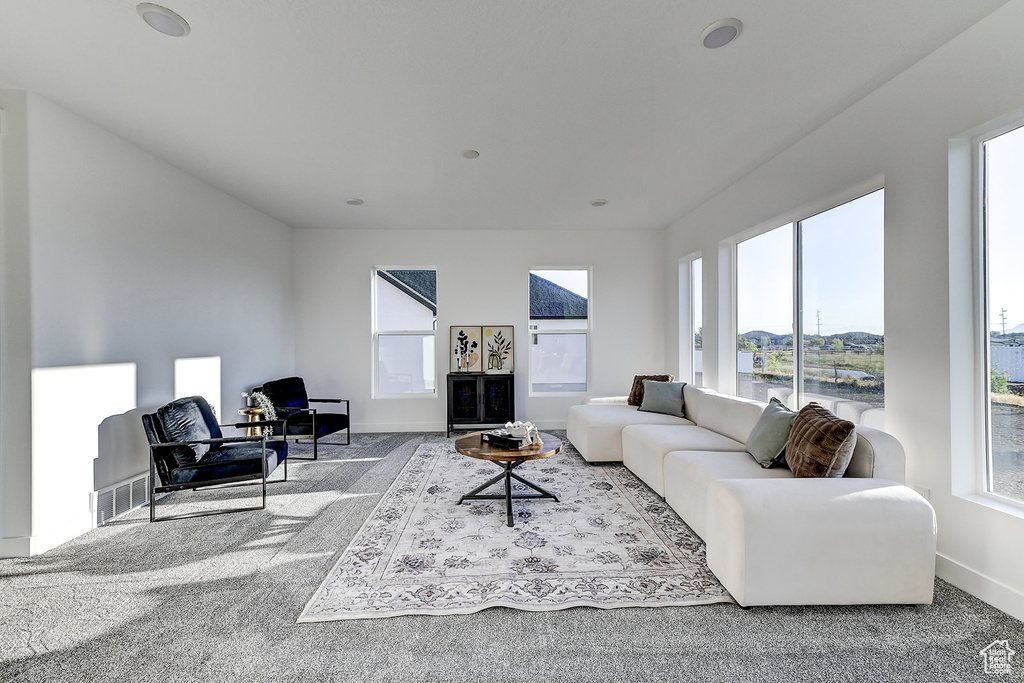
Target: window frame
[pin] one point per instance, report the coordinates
(376, 334)
(981, 486)
(793, 222)
(688, 291)
(586, 332)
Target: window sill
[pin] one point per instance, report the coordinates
(403, 396)
(995, 502)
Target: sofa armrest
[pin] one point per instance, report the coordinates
(821, 541)
(607, 400)
(877, 454)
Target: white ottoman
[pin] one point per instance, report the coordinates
(821, 541)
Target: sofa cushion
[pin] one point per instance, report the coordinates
(767, 440)
(729, 415)
(663, 397)
(689, 474)
(289, 392)
(693, 401)
(820, 444)
(183, 420)
(636, 394)
(596, 430)
(644, 448)
(232, 460)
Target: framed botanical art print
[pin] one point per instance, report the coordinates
(464, 344)
(498, 348)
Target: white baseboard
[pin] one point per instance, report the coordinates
(364, 427)
(20, 546)
(984, 588)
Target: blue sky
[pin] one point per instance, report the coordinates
(842, 273)
(1005, 189)
(573, 280)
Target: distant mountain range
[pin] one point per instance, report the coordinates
(787, 339)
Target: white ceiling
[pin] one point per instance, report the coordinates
(296, 106)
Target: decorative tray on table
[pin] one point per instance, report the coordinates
(515, 435)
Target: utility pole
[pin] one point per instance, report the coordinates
(819, 322)
(1002, 316)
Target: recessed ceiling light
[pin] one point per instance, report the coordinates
(355, 201)
(721, 33)
(599, 202)
(471, 154)
(164, 20)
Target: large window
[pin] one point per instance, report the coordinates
(1003, 227)
(764, 314)
(841, 288)
(404, 325)
(835, 259)
(559, 330)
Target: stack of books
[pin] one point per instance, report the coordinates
(502, 439)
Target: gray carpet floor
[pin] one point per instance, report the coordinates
(216, 598)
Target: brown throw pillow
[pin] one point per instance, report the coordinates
(820, 444)
(636, 395)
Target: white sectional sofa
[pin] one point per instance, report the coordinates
(772, 538)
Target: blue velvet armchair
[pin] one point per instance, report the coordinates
(291, 403)
(189, 451)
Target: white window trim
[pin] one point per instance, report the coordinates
(687, 316)
(375, 392)
(588, 332)
(972, 445)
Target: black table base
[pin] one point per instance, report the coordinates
(508, 475)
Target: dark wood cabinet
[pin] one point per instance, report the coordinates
(480, 399)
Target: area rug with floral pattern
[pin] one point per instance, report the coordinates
(608, 542)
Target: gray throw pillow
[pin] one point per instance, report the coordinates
(636, 394)
(663, 397)
(767, 440)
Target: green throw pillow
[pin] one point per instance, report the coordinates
(663, 397)
(767, 440)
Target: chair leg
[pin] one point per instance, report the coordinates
(152, 487)
(263, 445)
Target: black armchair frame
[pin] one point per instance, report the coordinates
(247, 479)
(313, 411)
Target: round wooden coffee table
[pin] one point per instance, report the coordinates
(507, 459)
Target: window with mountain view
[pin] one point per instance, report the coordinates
(1003, 226)
(764, 314)
(404, 325)
(559, 330)
(836, 260)
(841, 285)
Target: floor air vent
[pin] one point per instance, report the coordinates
(118, 499)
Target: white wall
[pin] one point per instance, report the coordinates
(133, 261)
(899, 134)
(480, 281)
(15, 332)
